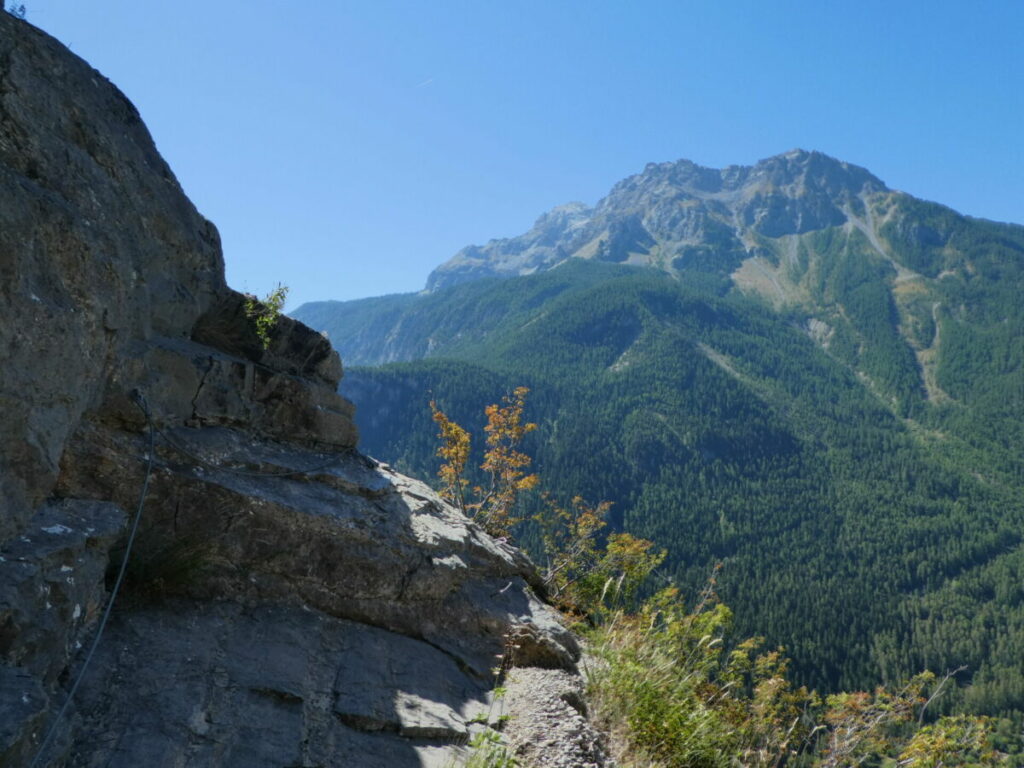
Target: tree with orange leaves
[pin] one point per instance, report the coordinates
(583, 570)
(504, 464)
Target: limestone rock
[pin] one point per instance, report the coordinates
(24, 707)
(53, 590)
(287, 601)
(97, 245)
(51, 594)
(216, 683)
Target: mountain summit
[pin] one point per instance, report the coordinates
(671, 214)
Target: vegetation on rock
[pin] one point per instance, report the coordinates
(493, 503)
(583, 572)
(263, 313)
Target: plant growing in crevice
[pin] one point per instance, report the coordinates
(486, 748)
(264, 313)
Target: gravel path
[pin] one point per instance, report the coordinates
(548, 726)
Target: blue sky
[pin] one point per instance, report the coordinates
(347, 148)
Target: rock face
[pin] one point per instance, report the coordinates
(674, 215)
(288, 602)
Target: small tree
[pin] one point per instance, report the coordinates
(584, 571)
(264, 313)
(864, 726)
(504, 464)
(454, 450)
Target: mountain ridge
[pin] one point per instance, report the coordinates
(673, 204)
(822, 388)
(876, 273)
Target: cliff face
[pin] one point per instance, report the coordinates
(289, 601)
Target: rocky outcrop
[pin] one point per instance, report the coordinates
(288, 602)
(679, 216)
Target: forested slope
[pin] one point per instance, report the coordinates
(826, 398)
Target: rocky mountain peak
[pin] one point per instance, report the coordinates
(798, 170)
(659, 216)
(812, 172)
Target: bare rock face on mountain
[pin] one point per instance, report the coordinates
(288, 601)
(675, 215)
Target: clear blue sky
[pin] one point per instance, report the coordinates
(347, 148)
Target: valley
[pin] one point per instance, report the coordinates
(789, 369)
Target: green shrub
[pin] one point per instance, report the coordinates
(264, 313)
